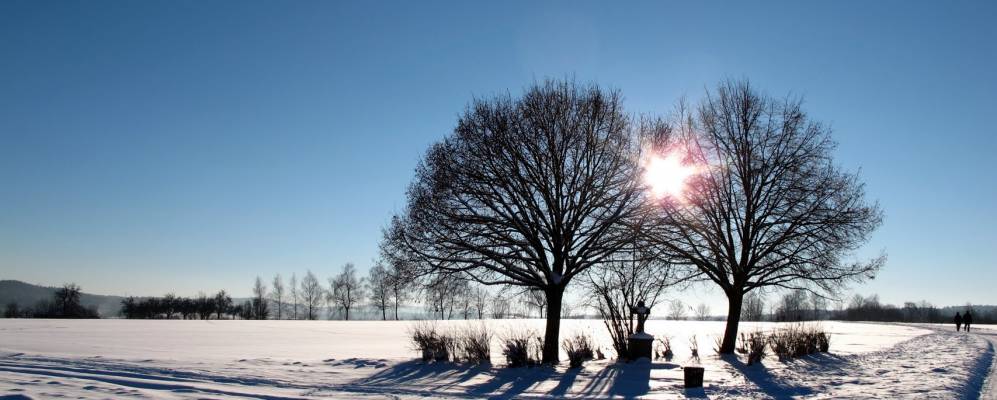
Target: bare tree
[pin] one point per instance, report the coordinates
(617, 287)
(791, 306)
(223, 303)
(754, 307)
(345, 290)
(379, 282)
(400, 286)
(311, 295)
(769, 207)
(500, 307)
(527, 192)
(479, 300)
(534, 300)
(676, 310)
(442, 293)
(278, 295)
(702, 312)
(292, 286)
(259, 302)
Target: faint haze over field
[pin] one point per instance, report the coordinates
(154, 147)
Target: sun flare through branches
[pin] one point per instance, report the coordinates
(666, 174)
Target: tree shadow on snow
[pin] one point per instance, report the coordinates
(442, 374)
(766, 382)
(624, 380)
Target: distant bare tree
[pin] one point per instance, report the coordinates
(277, 295)
(169, 304)
(702, 312)
(754, 307)
(379, 282)
(676, 310)
(770, 207)
(400, 286)
(818, 305)
(295, 295)
(442, 293)
(791, 306)
(259, 301)
(311, 295)
(479, 300)
(345, 290)
(534, 300)
(500, 307)
(223, 303)
(528, 192)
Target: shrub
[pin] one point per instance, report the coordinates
(823, 341)
(579, 349)
(799, 340)
(664, 349)
(694, 346)
(432, 344)
(473, 345)
(522, 348)
(752, 344)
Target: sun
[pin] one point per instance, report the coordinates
(667, 175)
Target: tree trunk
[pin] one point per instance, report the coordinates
(551, 339)
(734, 299)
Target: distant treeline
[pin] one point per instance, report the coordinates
(870, 309)
(800, 305)
(65, 303)
(170, 306)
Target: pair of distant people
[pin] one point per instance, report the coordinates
(963, 320)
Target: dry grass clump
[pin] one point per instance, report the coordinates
(579, 348)
(522, 348)
(752, 344)
(433, 344)
(799, 340)
(663, 349)
(473, 345)
(468, 344)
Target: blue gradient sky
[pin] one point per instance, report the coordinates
(157, 146)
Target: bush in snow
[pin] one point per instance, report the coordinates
(522, 348)
(664, 349)
(579, 348)
(473, 345)
(753, 344)
(799, 340)
(823, 341)
(433, 344)
(694, 347)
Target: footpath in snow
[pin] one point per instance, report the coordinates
(100, 359)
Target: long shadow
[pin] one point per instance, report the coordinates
(445, 374)
(626, 381)
(766, 382)
(508, 383)
(563, 384)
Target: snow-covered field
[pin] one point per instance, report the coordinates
(373, 359)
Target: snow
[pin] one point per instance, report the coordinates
(373, 359)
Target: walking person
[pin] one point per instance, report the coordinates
(967, 320)
(958, 322)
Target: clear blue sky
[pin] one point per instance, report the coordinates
(158, 146)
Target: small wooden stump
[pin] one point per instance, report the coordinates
(693, 377)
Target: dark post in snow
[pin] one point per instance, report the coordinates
(640, 342)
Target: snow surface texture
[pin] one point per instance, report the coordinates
(43, 359)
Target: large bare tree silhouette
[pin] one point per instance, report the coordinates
(770, 207)
(528, 192)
